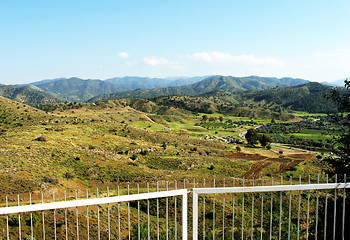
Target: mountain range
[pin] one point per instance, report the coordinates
(297, 94)
(227, 83)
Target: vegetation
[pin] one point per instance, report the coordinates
(226, 83)
(315, 132)
(340, 164)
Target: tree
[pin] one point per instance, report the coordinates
(264, 140)
(252, 136)
(204, 118)
(340, 163)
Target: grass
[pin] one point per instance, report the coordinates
(109, 144)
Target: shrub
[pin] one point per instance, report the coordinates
(41, 139)
(211, 167)
(51, 180)
(69, 175)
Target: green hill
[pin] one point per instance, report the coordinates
(31, 95)
(308, 97)
(227, 83)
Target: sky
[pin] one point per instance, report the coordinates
(41, 39)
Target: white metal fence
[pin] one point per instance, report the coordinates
(149, 215)
(284, 211)
(221, 209)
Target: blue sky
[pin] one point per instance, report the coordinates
(43, 39)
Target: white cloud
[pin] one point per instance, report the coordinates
(159, 61)
(226, 58)
(123, 55)
(155, 61)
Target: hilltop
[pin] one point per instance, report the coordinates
(308, 97)
(30, 94)
(227, 83)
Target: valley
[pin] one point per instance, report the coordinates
(110, 143)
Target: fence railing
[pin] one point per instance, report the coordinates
(225, 209)
(83, 218)
(303, 211)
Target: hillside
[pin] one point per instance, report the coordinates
(85, 145)
(31, 95)
(308, 97)
(16, 114)
(227, 83)
(76, 89)
(80, 90)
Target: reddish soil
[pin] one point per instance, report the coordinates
(246, 156)
(256, 168)
(285, 165)
(300, 156)
(290, 160)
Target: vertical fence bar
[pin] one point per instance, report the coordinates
(98, 217)
(108, 216)
(77, 214)
(214, 205)
(54, 218)
(271, 210)
(262, 212)
(194, 217)
(166, 213)
(175, 212)
(31, 218)
(335, 208)
(19, 220)
(138, 215)
(242, 221)
(119, 224)
(325, 213)
(43, 216)
(148, 217)
(157, 189)
(87, 216)
(223, 213)
(7, 220)
(204, 212)
(66, 215)
(308, 211)
(129, 223)
(252, 220)
(298, 224)
(184, 216)
(233, 210)
(317, 204)
(344, 203)
(290, 207)
(281, 213)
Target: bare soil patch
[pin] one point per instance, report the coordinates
(300, 156)
(246, 156)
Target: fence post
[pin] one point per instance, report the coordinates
(195, 215)
(184, 215)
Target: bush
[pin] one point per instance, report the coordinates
(51, 180)
(41, 139)
(69, 175)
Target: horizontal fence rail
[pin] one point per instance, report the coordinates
(234, 208)
(150, 215)
(92, 201)
(302, 211)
